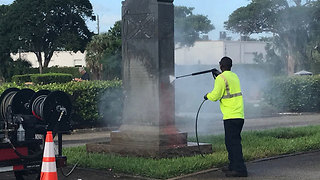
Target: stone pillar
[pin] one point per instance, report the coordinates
(148, 60)
(148, 127)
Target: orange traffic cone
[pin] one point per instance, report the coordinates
(48, 168)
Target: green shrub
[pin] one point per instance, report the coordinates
(42, 78)
(74, 71)
(50, 78)
(67, 70)
(87, 98)
(295, 94)
(21, 78)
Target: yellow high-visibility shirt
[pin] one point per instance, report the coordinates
(231, 104)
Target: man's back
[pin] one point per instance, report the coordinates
(227, 89)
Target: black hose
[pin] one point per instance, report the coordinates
(71, 171)
(37, 106)
(21, 156)
(197, 127)
(5, 106)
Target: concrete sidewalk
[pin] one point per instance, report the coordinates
(302, 166)
(85, 136)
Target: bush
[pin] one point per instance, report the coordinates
(87, 98)
(42, 78)
(21, 78)
(67, 70)
(51, 78)
(294, 94)
(23, 70)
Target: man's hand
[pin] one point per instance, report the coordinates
(205, 97)
(215, 73)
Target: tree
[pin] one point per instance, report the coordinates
(104, 53)
(273, 58)
(313, 47)
(112, 57)
(289, 24)
(45, 26)
(5, 59)
(189, 27)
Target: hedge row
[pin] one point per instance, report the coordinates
(295, 94)
(67, 70)
(94, 102)
(43, 78)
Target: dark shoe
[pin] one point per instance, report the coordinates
(225, 169)
(236, 174)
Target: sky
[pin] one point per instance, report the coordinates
(109, 11)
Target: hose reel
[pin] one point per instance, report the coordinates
(14, 101)
(54, 108)
(26, 116)
(50, 108)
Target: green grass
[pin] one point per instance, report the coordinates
(256, 145)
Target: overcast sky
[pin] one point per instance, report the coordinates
(217, 11)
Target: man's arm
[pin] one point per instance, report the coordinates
(218, 91)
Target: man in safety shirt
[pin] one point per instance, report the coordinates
(227, 90)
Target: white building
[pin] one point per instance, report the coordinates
(202, 53)
(210, 52)
(59, 58)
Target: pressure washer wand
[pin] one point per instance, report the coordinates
(193, 74)
(214, 72)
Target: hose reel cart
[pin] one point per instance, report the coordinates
(25, 117)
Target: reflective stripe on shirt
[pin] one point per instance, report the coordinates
(229, 95)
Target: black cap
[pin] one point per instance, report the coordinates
(226, 62)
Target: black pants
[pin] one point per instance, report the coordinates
(232, 130)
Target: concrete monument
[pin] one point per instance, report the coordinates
(148, 127)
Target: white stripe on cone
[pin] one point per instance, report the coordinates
(48, 167)
(49, 149)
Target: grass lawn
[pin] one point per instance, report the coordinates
(256, 145)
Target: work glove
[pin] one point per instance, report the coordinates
(205, 97)
(215, 73)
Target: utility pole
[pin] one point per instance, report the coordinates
(98, 25)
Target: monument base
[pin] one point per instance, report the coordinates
(149, 142)
(190, 149)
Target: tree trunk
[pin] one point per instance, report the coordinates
(291, 64)
(291, 59)
(47, 58)
(96, 74)
(297, 2)
(39, 57)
